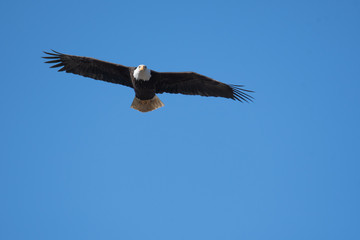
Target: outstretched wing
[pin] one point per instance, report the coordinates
(192, 83)
(91, 67)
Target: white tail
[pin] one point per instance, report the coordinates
(147, 105)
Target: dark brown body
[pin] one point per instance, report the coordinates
(144, 90)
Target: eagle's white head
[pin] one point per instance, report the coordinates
(142, 73)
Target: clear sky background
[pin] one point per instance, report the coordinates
(78, 163)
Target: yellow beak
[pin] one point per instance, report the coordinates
(141, 68)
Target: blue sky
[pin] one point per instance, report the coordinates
(78, 163)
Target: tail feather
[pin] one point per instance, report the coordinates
(147, 105)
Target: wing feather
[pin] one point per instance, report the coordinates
(191, 83)
(90, 67)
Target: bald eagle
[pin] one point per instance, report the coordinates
(145, 82)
